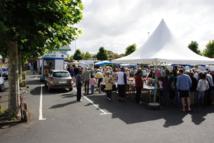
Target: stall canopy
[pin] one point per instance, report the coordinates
(163, 47)
(103, 63)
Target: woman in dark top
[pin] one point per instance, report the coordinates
(172, 86)
(79, 84)
(138, 85)
(193, 88)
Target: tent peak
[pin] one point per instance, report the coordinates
(162, 20)
(163, 23)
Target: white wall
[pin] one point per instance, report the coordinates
(59, 64)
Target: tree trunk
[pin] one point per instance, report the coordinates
(20, 67)
(23, 74)
(13, 76)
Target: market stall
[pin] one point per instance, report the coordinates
(163, 48)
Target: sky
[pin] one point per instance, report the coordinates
(116, 24)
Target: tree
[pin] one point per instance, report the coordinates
(77, 55)
(87, 56)
(69, 58)
(102, 54)
(112, 55)
(209, 51)
(194, 47)
(130, 49)
(31, 28)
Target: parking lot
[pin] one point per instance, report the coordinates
(96, 120)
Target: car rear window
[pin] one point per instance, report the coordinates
(61, 74)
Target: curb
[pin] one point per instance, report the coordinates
(4, 123)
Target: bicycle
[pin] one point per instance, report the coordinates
(23, 108)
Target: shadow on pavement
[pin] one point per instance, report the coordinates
(198, 116)
(62, 105)
(130, 112)
(9, 124)
(34, 82)
(68, 95)
(37, 90)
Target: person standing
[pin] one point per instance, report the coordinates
(202, 87)
(99, 77)
(79, 84)
(121, 83)
(86, 77)
(108, 85)
(183, 85)
(210, 90)
(193, 94)
(76, 70)
(92, 83)
(172, 86)
(210, 80)
(138, 85)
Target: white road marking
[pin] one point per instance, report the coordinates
(40, 105)
(103, 112)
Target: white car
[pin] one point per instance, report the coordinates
(1, 82)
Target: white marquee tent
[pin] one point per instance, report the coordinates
(163, 47)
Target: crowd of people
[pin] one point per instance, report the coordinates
(189, 86)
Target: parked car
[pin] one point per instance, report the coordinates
(59, 79)
(4, 72)
(1, 82)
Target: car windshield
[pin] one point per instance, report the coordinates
(61, 74)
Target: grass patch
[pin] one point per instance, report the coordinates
(7, 115)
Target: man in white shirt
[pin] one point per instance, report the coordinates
(210, 79)
(121, 83)
(211, 85)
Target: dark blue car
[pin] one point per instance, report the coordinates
(4, 72)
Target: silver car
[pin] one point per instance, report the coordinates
(59, 79)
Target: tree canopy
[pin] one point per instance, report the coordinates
(194, 47)
(87, 56)
(39, 25)
(130, 49)
(209, 51)
(77, 55)
(112, 55)
(32, 27)
(102, 54)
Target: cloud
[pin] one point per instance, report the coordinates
(115, 24)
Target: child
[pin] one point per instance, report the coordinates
(92, 83)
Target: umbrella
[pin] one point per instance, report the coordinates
(102, 63)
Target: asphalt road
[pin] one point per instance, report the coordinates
(96, 120)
